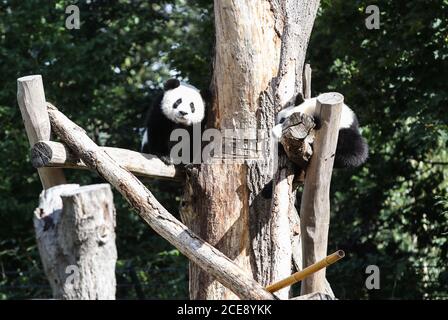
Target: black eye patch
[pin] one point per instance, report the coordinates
(177, 103)
(192, 107)
(282, 120)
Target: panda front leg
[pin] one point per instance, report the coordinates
(158, 146)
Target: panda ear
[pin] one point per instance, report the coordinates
(299, 99)
(171, 84)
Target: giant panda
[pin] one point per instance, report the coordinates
(352, 149)
(181, 105)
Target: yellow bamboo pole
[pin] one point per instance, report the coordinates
(300, 275)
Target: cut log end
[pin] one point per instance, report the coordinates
(41, 155)
(297, 138)
(86, 189)
(330, 98)
(29, 78)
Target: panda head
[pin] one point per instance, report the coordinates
(182, 103)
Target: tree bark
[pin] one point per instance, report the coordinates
(260, 52)
(75, 232)
(153, 213)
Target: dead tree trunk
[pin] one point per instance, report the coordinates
(260, 53)
(75, 232)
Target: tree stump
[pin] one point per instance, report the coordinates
(75, 231)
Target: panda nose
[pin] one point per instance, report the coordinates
(183, 113)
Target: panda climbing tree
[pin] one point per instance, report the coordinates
(180, 106)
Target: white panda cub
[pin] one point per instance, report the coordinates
(352, 149)
(179, 106)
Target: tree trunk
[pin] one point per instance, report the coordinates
(260, 53)
(75, 231)
(153, 213)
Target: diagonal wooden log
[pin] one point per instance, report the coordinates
(58, 155)
(301, 138)
(153, 213)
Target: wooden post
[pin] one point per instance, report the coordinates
(31, 99)
(315, 205)
(75, 232)
(142, 200)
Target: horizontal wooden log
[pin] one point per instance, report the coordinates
(56, 154)
(153, 213)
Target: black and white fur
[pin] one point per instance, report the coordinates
(351, 151)
(180, 106)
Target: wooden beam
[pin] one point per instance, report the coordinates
(315, 205)
(33, 107)
(153, 213)
(55, 154)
